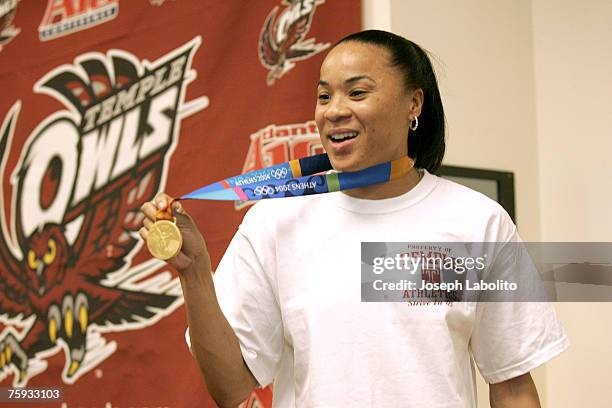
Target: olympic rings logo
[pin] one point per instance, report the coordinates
(263, 190)
(278, 173)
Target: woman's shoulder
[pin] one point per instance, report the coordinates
(468, 198)
(470, 210)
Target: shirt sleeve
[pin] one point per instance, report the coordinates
(514, 336)
(247, 297)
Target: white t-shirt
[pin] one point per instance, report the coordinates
(290, 286)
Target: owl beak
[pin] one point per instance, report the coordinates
(41, 279)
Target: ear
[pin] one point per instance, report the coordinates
(416, 103)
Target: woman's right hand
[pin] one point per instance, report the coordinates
(193, 247)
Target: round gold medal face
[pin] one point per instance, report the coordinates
(164, 240)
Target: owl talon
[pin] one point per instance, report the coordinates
(75, 315)
(54, 324)
(83, 318)
(5, 356)
(12, 354)
(74, 366)
(68, 323)
(53, 331)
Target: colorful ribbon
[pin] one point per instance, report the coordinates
(297, 178)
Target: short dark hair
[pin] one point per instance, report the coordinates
(426, 144)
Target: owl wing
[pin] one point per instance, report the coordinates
(113, 306)
(113, 218)
(297, 30)
(14, 290)
(15, 294)
(267, 48)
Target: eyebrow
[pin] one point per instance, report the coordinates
(348, 81)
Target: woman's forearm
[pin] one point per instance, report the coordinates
(518, 392)
(213, 342)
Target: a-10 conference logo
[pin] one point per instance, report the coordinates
(66, 17)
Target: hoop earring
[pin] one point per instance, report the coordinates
(414, 124)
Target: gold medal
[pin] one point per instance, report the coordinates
(165, 239)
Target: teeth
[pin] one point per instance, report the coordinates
(343, 135)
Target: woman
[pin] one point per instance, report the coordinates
(285, 304)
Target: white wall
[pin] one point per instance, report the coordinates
(573, 65)
(376, 14)
(573, 70)
(527, 87)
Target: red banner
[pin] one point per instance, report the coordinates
(103, 104)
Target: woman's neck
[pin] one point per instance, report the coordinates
(389, 189)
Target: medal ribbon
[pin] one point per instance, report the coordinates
(297, 178)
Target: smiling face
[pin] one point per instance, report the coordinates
(363, 107)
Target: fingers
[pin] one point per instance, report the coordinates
(149, 210)
(144, 233)
(177, 207)
(194, 245)
(147, 223)
(184, 220)
(162, 200)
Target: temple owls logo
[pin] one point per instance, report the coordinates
(66, 271)
(8, 31)
(281, 41)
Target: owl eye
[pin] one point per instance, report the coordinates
(32, 260)
(49, 256)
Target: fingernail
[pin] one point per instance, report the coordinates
(161, 204)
